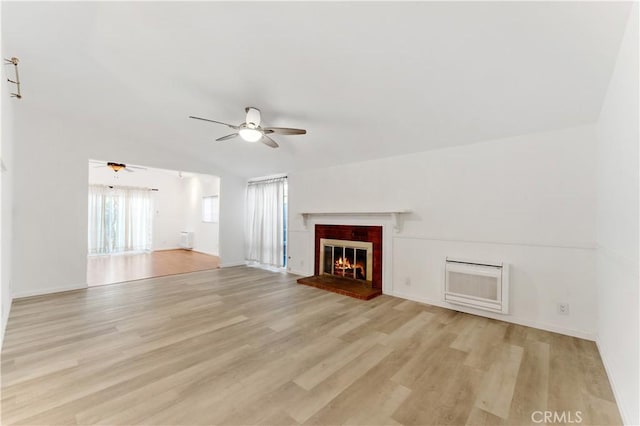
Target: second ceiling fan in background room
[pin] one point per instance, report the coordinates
(251, 131)
(116, 167)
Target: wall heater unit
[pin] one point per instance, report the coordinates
(480, 285)
(186, 240)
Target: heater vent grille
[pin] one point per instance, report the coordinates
(473, 285)
(478, 285)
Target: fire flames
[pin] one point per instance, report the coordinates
(343, 265)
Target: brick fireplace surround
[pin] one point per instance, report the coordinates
(346, 286)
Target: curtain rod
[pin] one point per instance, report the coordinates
(134, 187)
(267, 180)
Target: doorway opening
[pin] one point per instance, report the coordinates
(137, 221)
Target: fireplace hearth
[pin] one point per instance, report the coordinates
(348, 260)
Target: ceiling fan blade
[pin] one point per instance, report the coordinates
(285, 131)
(128, 169)
(214, 121)
(253, 117)
(225, 138)
(136, 167)
(268, 141)
(97, 167)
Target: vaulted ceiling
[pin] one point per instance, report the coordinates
(367, 80)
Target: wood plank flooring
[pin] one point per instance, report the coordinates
(128, 267)
(240, 346)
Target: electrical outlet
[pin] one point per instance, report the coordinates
(407, 282)
(563, 308)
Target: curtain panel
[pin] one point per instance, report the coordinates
(120, 219)
(264, 237)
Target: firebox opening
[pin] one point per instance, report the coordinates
(348, 259)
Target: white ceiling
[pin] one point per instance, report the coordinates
(367, 80)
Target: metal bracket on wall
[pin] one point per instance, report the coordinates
(14, 61)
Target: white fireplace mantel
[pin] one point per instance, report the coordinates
(394, 215)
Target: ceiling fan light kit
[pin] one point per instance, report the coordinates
(250, 135)
(251, 131)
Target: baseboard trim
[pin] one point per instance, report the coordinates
(294, 272)
(626, 418)
(232, 264)
(203, 252)
(506, 318)
(5, 320)
(42, 292)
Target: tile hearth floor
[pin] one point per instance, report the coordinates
(345, 286)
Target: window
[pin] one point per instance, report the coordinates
(210, 209)
(266, 221)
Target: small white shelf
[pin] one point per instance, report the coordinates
(394, 215)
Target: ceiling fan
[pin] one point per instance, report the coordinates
(251, 131)
(116, 167)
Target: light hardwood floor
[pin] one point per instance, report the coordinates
(128, 267)
(242, 346)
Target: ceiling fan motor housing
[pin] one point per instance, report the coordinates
(253, 117)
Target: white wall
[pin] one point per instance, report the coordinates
(617, 228)
(7, 105)
(232, 206)
(205, 238)
(528, 201)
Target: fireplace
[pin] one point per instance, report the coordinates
(348, 260)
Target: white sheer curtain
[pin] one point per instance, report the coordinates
(265, 221)
(120, 219)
